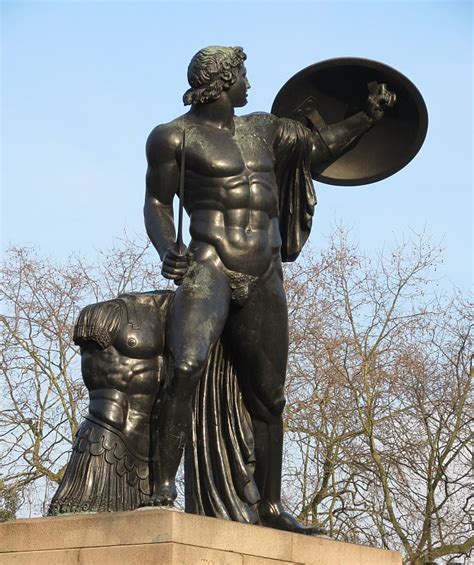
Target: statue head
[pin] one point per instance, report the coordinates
(211, 71)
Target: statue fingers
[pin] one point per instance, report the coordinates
(175, 262)
(173, 272)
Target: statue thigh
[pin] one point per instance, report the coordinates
(258, 337)
(197, 318)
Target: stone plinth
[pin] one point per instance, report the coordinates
(156, 536)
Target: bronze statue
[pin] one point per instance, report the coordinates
(123, 367)
(204, 366)
(250, 199)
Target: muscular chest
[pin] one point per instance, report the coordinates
(215, 153)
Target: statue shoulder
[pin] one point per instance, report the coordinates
(261, 119)
(164, 139)
(262, 123)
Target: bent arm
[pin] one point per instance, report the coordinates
(338, 137)
(161, 183)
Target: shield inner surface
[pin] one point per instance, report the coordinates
(340, 88)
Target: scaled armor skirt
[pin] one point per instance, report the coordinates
(103, 475)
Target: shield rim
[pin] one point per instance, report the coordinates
(378, 66)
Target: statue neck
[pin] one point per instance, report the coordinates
(219, 113)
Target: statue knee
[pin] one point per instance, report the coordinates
(278, 405)
(270, 410)
(188, 367)
(186, 375)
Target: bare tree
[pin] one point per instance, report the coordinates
(9, 502)
(379, 387)
(379, 400)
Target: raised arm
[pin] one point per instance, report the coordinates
(162, 152)
(336, 138)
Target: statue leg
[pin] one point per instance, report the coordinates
(196, 320)
(258, 337)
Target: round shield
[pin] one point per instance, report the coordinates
(338, 88)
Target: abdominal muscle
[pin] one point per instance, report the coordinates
(235, 222)
(248, 250)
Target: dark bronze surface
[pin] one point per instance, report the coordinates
(339, 87)
(205, 366)
(122, 360)
(250, 199)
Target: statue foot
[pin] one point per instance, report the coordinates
(163, 496)
(156, 500)
(273, 516)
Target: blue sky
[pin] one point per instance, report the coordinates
(83, 83)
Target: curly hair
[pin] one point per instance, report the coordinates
(212, 70)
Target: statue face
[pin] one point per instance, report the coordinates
(238, 91)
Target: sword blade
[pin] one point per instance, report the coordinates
(179, 237)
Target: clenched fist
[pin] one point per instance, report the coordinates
(379, 99)
(176, 262)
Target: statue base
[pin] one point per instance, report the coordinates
(151, 536)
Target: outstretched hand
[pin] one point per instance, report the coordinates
(379, 100)
(176, 262)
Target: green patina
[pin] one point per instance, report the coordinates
(197, 282)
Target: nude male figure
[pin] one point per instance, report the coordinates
(230, 277)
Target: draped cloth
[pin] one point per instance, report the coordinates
(220, 456)
(297, 198)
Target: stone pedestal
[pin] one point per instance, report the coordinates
(156, 536)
